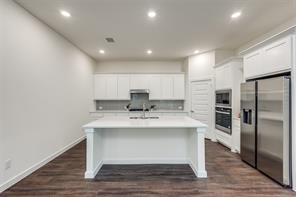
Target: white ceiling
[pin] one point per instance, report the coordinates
(180, 27)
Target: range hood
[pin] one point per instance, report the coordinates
(139, 91)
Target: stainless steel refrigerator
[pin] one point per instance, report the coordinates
(265, 127)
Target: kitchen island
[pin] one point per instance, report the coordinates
(166, 140)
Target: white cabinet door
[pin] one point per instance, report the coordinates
(111, 88)
(155, 87)
(223, 76)
(278, 56)
(123, 87)
(219, 77)
(105, 87)
(179, 87)
(253, 64)
(167, 83)
(100, 85)
(139, 81)
(236, 134)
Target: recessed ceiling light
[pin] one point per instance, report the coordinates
(65, 13)
(102, 51)
(151, 14)
(149, 52)
(196, 51)
(236, 14)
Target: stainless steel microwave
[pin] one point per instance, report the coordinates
(223, 98)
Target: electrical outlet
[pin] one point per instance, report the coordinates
(7, 164)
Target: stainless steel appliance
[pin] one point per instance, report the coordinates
(139, 91)
(139, 99)
(223, 119)
(223, 98)
(265, 127)
(248, 122)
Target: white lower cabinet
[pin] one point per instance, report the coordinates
(231, 141)
(236, 135)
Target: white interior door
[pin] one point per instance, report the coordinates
(202, 104)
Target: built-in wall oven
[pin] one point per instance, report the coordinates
(223, 113)
(223, 119)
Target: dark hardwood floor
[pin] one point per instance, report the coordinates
(227, 176)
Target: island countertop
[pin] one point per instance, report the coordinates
(162, 122)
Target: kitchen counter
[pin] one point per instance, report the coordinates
(154, 111)
(162, 122)
(167, 140)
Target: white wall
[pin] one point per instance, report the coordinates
(1, 93)
(276, 30)
(222, 55)
(139, 67)
(201, 66)
(46, 91)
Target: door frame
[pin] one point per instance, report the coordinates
(212, 102)
(293, 114)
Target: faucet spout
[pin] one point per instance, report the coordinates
(144, 111)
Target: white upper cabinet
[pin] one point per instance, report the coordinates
(161, 86)
(271, 59)
(223, 76)
(278, 55)
(105, 87)
(167, 84)
(123, 87)
(253, 64)
(179, 86)
(111, 88)
(100, 84)
(140, 81)
(155, 87)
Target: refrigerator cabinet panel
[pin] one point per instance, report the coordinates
(248, 123)
(273, 128)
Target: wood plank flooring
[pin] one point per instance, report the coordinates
(227, 176)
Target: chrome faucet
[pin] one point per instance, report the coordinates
(144, 111)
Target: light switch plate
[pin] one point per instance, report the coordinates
(7, 164)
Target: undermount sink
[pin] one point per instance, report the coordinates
(151, 117)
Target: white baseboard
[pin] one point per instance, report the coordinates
(145, 161)
(198, 173)
(92, 174)
(35, 167)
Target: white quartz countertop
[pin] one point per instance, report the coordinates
(162, 122)
(131, 112)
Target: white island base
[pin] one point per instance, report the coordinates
(168, 140)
